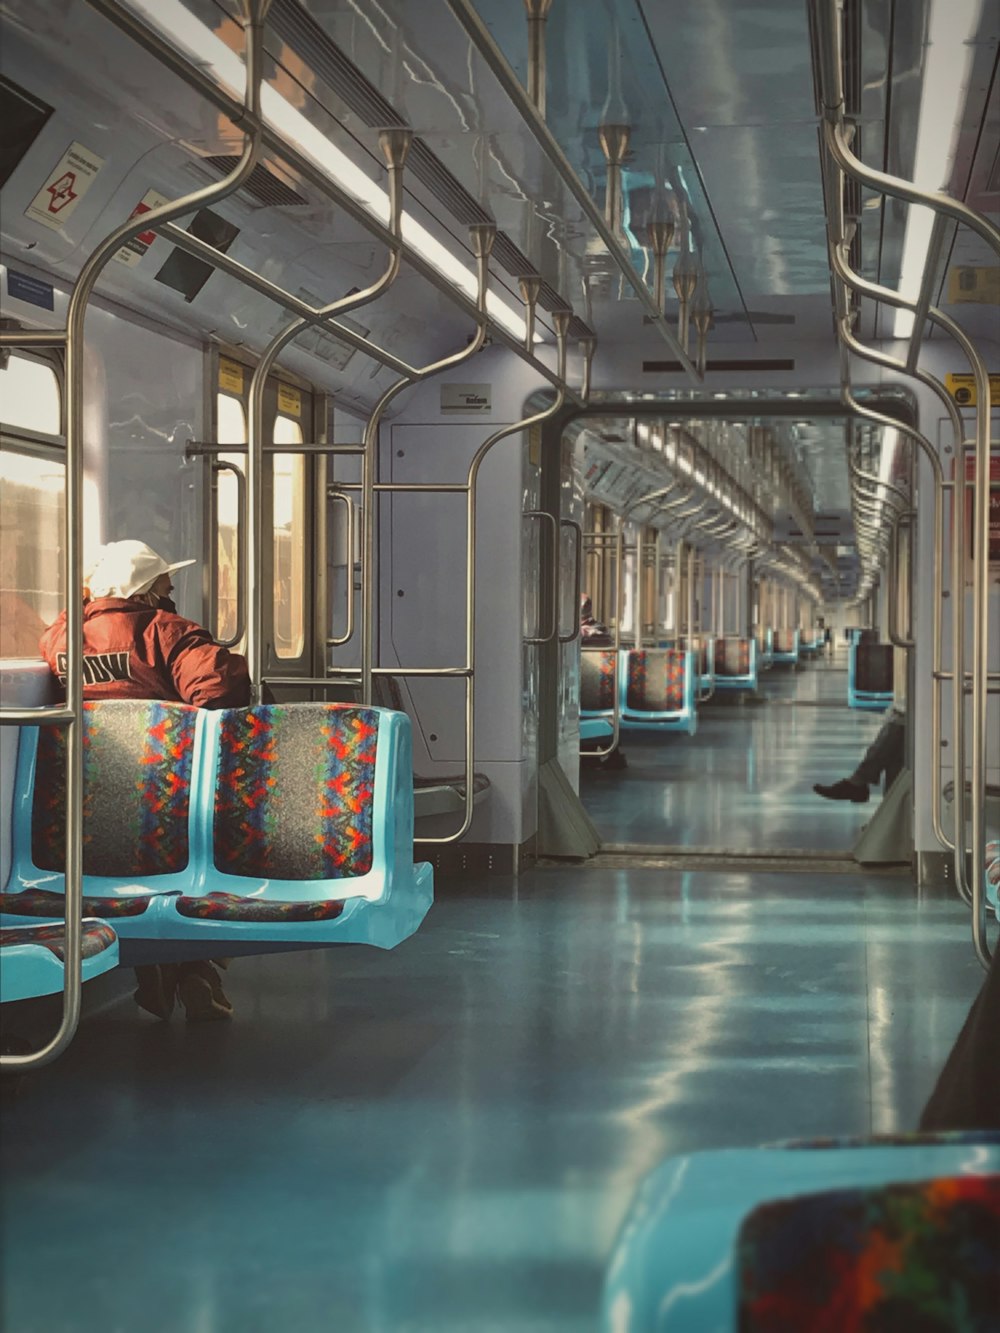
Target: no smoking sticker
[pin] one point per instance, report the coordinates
(66, 184)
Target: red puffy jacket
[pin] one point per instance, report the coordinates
(131, 651)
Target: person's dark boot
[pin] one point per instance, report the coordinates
(200, 990)
(844, 790)
(157, 986)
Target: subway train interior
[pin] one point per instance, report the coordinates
(583, 420)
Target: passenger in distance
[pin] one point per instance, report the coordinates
(885, 755)
(592, 632)
(136, 646)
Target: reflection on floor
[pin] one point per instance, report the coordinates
(446, 1138)
(745, 781)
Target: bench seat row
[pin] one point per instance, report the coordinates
(276, 823)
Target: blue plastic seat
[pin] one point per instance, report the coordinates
(869, 675)
(735, 664)
(280, 823)
(657, 690)
(769, 1238)
(785, 645)
(32, 957)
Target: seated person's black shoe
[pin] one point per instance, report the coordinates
(844, 790)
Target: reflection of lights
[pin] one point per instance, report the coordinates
(948, 52)
(208, 51)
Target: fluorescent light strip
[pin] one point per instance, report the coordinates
(205, 49)
(951, 29)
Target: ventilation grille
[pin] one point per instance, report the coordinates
(304, 35)
(262, 185)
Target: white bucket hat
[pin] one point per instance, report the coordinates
(128, 567)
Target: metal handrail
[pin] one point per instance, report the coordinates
(896, 635)
(616, 647)
(577, 530)
(74, 345)
(197, 78)
(480, 36)
(395, 145)
(335, 641)
(549, 521)
(835, 137)
(241, 548)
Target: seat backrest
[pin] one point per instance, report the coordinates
(901, 1256)
(873, 668)
(137, 761)
(784, 640)
(732, 657)
(597, 679)
(657, 679)
(294, 791)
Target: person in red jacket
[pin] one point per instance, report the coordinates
(136, 646)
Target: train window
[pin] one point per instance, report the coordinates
(22, 116)
(231, 428)
(29, 396)
(289, 521)
(31, 539)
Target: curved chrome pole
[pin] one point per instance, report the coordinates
(75, 321)
(395, 144)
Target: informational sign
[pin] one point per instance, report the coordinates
(132, 251)
(963, 389)
(289, 400)
(66, 184)
(980, 286)
(466, 398)
(970, 495)
(230, 376)
(24, 288)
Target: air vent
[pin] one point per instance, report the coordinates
(305, 36)
(671, 367)
(263, 185)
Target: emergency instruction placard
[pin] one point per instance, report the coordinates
(132, 251)
(66, 184)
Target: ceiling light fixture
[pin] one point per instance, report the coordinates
(951, 31)
(205, 49)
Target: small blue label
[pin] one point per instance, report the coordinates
(32, 290)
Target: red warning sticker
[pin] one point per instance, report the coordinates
(132, 251)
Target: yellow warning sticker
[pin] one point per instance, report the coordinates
(963, 389)
(978, 285)
(230, 375)
(289, 400)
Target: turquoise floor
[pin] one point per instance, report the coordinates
(745, 780)
(446, 1138)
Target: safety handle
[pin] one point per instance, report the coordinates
(241, 547)
(553, 527)
(577, 531)
(348, 634)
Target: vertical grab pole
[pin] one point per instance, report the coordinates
(482, 235)
(75, 321)
(395, 144)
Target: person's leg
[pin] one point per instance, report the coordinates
(884, 755)
(200, 989)
(155, 990)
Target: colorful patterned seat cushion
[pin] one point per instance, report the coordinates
(873, 668)
(97, 936)
(136, 788)
(294, 791)
(920, 1257)
(732, 657)
(231, 907)
(597, 679)
(656, 679)
(41, 902)
(784, 640)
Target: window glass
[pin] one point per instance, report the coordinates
(288, 517)
(231, 429)
(29, 396)
(31, 556)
